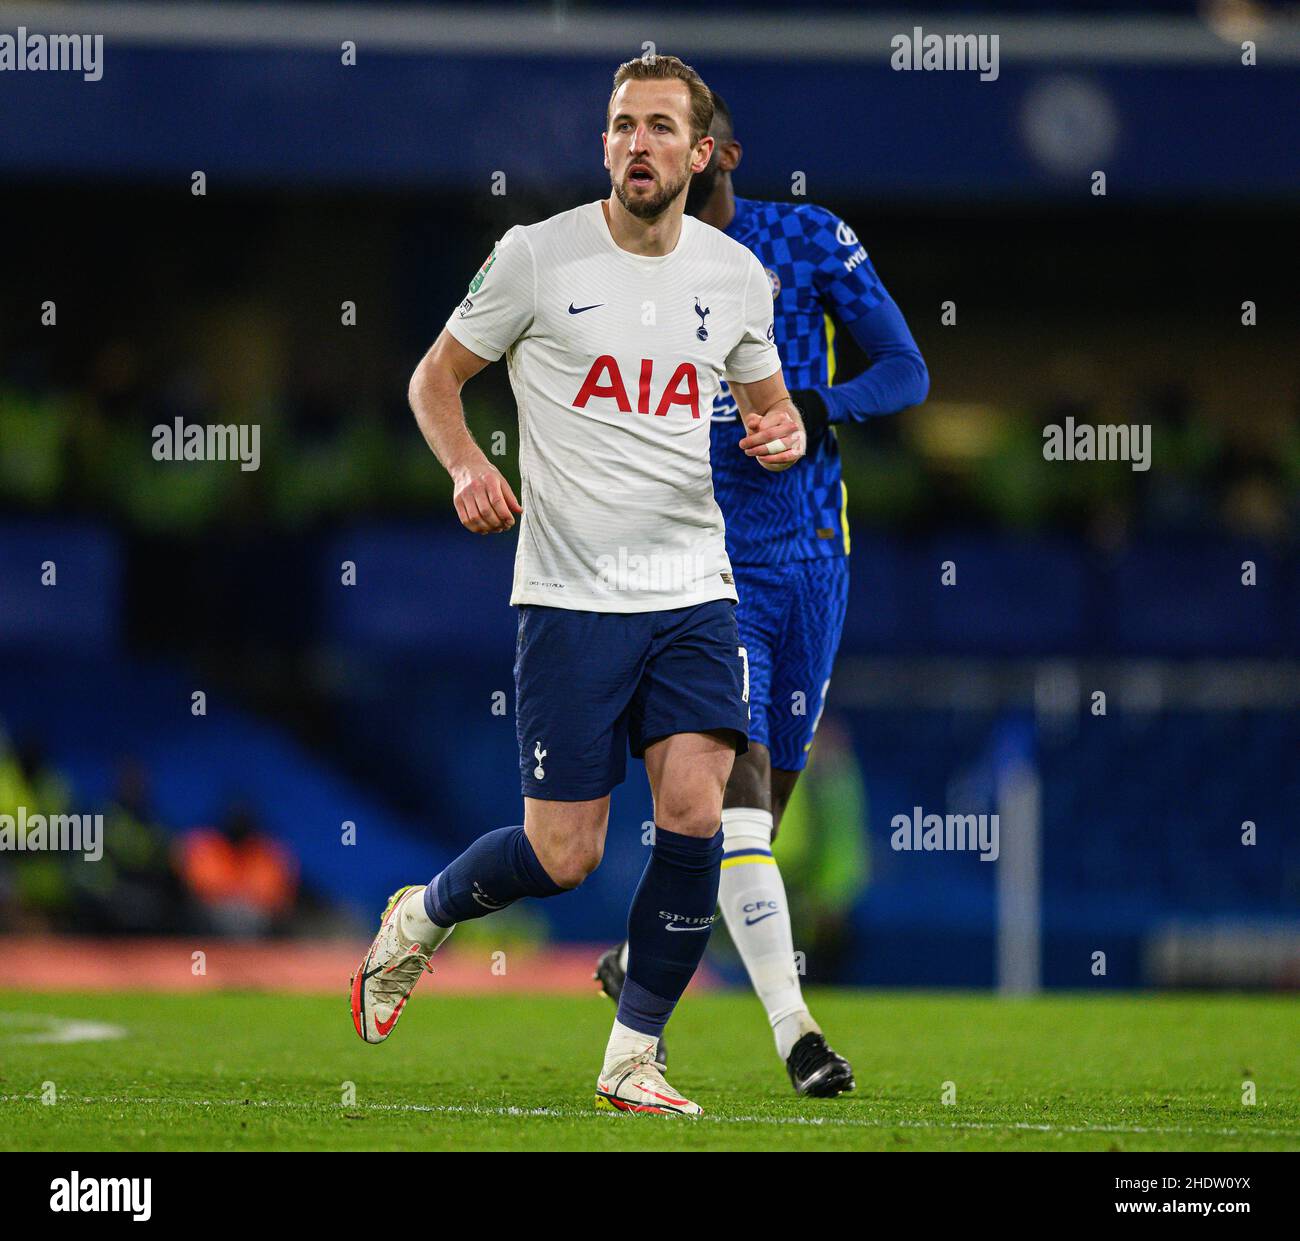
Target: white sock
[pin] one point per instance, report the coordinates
(752, 897)
(417, 926)
(625, 1042)
(789, 1030)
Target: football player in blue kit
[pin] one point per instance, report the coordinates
(788, 541)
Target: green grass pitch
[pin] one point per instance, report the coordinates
(255, 1072)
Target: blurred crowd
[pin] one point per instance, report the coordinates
(326, 456)
(230, 878)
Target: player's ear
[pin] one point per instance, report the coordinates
(729, 156)
(703, 152)
(604, 143)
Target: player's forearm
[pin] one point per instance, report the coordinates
(434, 395)
(896, 379)
(889, 386)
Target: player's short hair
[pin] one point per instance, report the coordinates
(668, 68)
(722, 113)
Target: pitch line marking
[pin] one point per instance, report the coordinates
(455, 1109)
(51, 1029)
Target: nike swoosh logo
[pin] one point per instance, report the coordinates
(383, 1027)
(676, 926)
(751, 921)
(577, 310)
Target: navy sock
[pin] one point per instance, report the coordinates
(668, 927)
(495, 871)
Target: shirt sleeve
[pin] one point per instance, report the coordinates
(846, 283)
(754, 355)
(896, 377)
(500, 304)
(848, 288)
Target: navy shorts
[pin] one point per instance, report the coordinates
(589, 686)
(790, 618)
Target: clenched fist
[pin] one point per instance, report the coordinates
(484, 502)
(776, 438)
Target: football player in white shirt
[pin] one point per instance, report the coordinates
(619, 319)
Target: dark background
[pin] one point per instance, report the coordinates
(373, 704)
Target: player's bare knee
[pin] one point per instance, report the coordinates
(569, 876)
(569, 865)
(569, 845)
(690, 820)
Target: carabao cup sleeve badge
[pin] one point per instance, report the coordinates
(477, 283)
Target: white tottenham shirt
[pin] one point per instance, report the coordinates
(615, 360)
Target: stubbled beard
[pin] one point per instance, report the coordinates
(656, 204)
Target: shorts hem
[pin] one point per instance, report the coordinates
(740, 737)
(569, 795)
